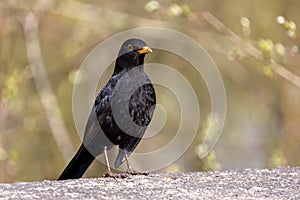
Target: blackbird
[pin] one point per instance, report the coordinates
(120, 115)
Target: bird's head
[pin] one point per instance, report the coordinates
(132, 53)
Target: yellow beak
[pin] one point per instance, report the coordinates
(145, 50)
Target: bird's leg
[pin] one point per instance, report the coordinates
(130, 170)
(108, 171)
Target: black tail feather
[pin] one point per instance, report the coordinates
(78, 165)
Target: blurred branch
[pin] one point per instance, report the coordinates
(78, 10)
(250, 49)
(43, 86)
(208, 17)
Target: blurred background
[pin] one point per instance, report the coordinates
(255, 45)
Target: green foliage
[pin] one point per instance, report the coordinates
(10, 91)
(278, 158)
(152, 6)
(266, 46)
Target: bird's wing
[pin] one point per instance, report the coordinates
(92, 127)
(101, 109)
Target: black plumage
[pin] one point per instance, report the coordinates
(128, 95)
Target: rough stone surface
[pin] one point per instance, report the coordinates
(279, 183)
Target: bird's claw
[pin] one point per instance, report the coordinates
(112, 175)
(133, 172)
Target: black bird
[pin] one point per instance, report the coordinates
(121, 113)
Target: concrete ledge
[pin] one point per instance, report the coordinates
(279, 183)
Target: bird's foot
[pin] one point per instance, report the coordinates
(113, 175)
(133, 172)
(138, 173)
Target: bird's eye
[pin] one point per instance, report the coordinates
(130, 47)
